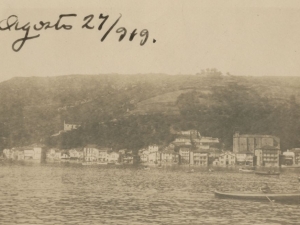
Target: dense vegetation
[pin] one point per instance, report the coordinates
(133, 111)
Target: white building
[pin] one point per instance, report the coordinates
(113, 157)
(152, 148)
(244, 158)
(289, 158)
(227, 159)
(268, 156)
(76, 153)
(167, 156)
(71, 126)
(91, 153)
(144, 155)
(153, 157)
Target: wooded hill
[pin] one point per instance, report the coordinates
(133, 111)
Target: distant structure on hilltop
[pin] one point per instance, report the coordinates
(71, 126)
(250, 142)
(67, 127)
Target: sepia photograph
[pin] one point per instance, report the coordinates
(149, 112)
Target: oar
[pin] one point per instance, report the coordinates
(272, 201)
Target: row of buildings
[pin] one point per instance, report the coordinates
(193, 149)
(90, 153)
(188, 148)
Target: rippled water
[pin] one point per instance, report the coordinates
(75, 194)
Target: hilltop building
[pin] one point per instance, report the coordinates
(205, 142)
(194, 138)
(182, 140)
(71, 126)
(191, 134)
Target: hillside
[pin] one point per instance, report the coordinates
(131, 111)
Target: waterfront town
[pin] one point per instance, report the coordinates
(189, 148)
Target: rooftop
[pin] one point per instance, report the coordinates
(73, 123)
(183, 137)
(295, 150)
(168, 151)
(201, 151)
(268, 147)
(244, 152)
(91, 146)
(255, 135)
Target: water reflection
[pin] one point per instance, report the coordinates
(71, 194)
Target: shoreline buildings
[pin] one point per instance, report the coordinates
(189, 148)
(255, 149)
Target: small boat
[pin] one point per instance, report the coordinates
(146, 168)
(101, 163)
(243, 170)
(210, 170)
(88, 163)
(291, 166)
(280, 197)
(267, 173)
(191, 171)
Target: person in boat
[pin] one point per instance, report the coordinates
(265, 188)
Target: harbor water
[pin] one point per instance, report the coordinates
(75, 194)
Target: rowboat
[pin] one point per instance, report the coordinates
(280, 197)
(292, 166)
(246, 170)
(146, 168)
(266, 173)
(88, 163)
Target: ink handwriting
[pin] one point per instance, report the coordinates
(12, 23)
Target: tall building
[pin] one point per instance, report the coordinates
(268, 156)
(250, 142)
(194, 138)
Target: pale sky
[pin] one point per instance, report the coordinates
(258, 38)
